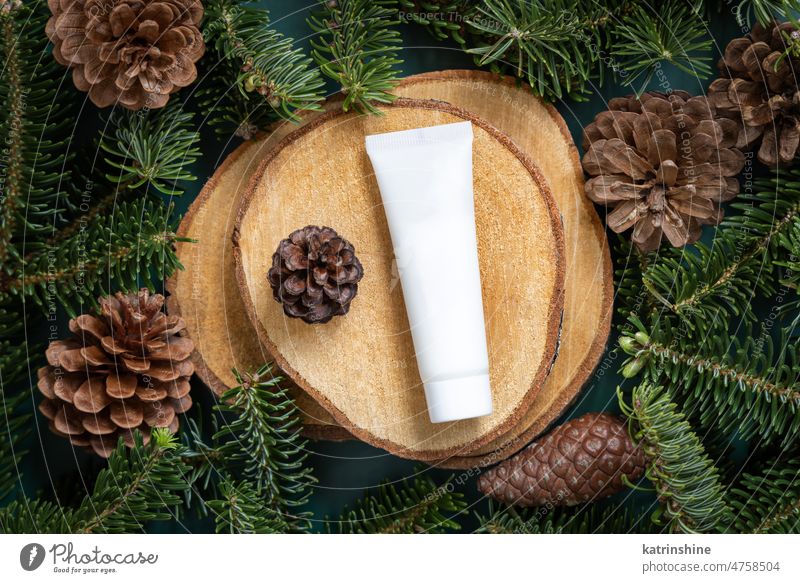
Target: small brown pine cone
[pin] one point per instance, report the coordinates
(124, 369)
(758, 88)
(132, 52)
(315, 274)
(662, 164)
(582, 460)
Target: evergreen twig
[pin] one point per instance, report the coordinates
(36, 162)
(126, 249)
(14, 426)
(747, 385)
(256, 73)
(590, 519)
(357, 46)
(685, 478)
(254, 468)
(415, 506)
(769, 501)
(240, 510)
(153, 148)
(140, 484)
(669, 32)
(543, 42)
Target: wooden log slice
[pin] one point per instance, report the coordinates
(361, 367)
(539, 130)
(205, 294)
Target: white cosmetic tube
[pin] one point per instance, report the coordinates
(425, 179)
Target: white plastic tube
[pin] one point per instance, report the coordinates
(425, 179)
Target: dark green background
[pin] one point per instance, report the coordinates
(344, 470)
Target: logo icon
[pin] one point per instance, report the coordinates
(31, 556)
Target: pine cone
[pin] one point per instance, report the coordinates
(759, 90)
(315, 274)
(135, 52)
(664, 164)
(124, 369)
(580, 461)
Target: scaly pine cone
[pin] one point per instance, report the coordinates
(663, 164)
(315, 274)
(758, 88)
(124, 369)
(132, 52)
(580, 461)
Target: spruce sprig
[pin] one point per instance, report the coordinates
(264, 437)
(542, 42)
(413, 506)
(151, 148)
(253, 470)
(750, 385)
(768, 501)
(129, 248)
(704, 287)
(36, 124)
(670, 32)
(240, 509)
(686, 480)
(140, 484)
(259, 70)
(589, 519)
(357, 46)
(14, 427)
(765, 11)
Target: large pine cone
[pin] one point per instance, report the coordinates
(759, 89)
(132, 52)
(315, 274)
(664, 164)
(580, 461)
(124, 369)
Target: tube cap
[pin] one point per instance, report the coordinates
(461, 398)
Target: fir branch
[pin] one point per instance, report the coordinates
(357, 47)
(745, 385)
(418, 506)
(685, 478)
(765, 11)
(264, 437)
(791, 275)
(126, 249)
(139, 485)
(257, 450)
(631, 266)
(241, 510)
(541, 41)
(589, 519)
(446, 19)
(14, 427)
(671, 32)
(12, 125)
(26, 516)
(36, 162)
(13, 350)
(151, 148)
(705, 287)
(769, 501)
(259, 70)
